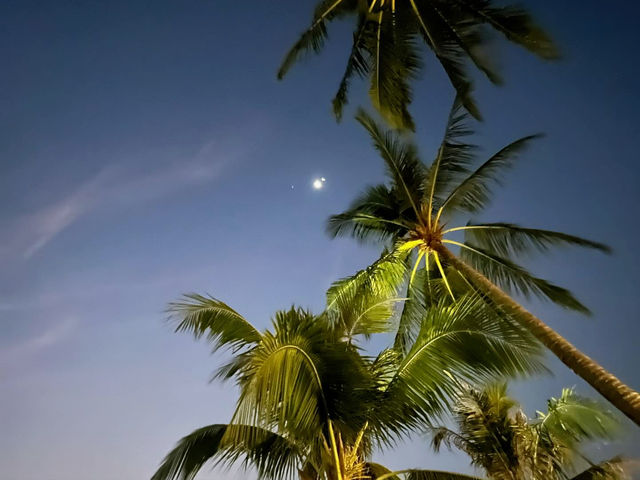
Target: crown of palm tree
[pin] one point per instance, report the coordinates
(386, 45)
(312, 404)
(416, 214)
(502, 441)
(416, 210)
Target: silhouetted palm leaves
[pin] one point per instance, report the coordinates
(387, 40)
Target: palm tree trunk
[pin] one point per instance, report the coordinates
(608, 385)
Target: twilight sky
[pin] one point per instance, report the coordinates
(147, 150)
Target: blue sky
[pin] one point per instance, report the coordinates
(147, 150)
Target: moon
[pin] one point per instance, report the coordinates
(318, 183)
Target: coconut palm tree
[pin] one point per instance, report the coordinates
(386, 45)
(499, 438)
(312, 405)
(417, 213)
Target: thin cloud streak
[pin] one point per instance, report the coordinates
(114, 186)
(33, 345)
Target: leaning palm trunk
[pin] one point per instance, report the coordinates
(417, 212)
(608, 385)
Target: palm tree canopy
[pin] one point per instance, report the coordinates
(309, 394)
(501, 440)
(386, 45)
(419, 206)
(415, 213)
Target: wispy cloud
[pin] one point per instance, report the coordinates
(55, 333)
(115, 186)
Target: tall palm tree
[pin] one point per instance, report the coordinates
(502, 441)
(312, 404)
(386, 45)
(416, 213)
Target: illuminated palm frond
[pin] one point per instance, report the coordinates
(415, 214)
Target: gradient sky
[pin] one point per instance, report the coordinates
(147, 150)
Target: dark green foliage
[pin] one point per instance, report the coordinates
(386, 46)
(502, 441)
(306, 377)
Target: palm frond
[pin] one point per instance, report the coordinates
(272, 455)
(515, 279)
(474, 192)
(223, 326)
(444, 436)
(382, 279)
(358, 63)
(363, 304)
(314, 37)
(370, 316)
(375, 470)
(401, 160)
(515, 24)
(454, 158)
(427, 289)
(467, 36)
(283, 388)
(437, 34)
(507, 239)
(612, 469)
(413, 311)
(374, 215)
(459, 342)
(571, 419)
(394, 62)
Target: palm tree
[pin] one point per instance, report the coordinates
(507, 445)
(415, 214)
(312, 404)
(386, 45)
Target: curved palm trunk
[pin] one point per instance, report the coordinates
(608, 385)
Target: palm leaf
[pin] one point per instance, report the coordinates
(455, 155)
(474, 193)
(427, 289)
(272, 455)
(370, 316)
(222, 325)
(507, 239)
(401, 160)
(437, 35)
(612, 469)
(467, 37)
(571, 419)
(515, 24)
(458, 342)
(314, 37)
(515, 279)
(375, 470)
(358, 63)
(382, 279)
(374, 215)
(281, 384)
(413, 311)
(363, 304)
(394, 62)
